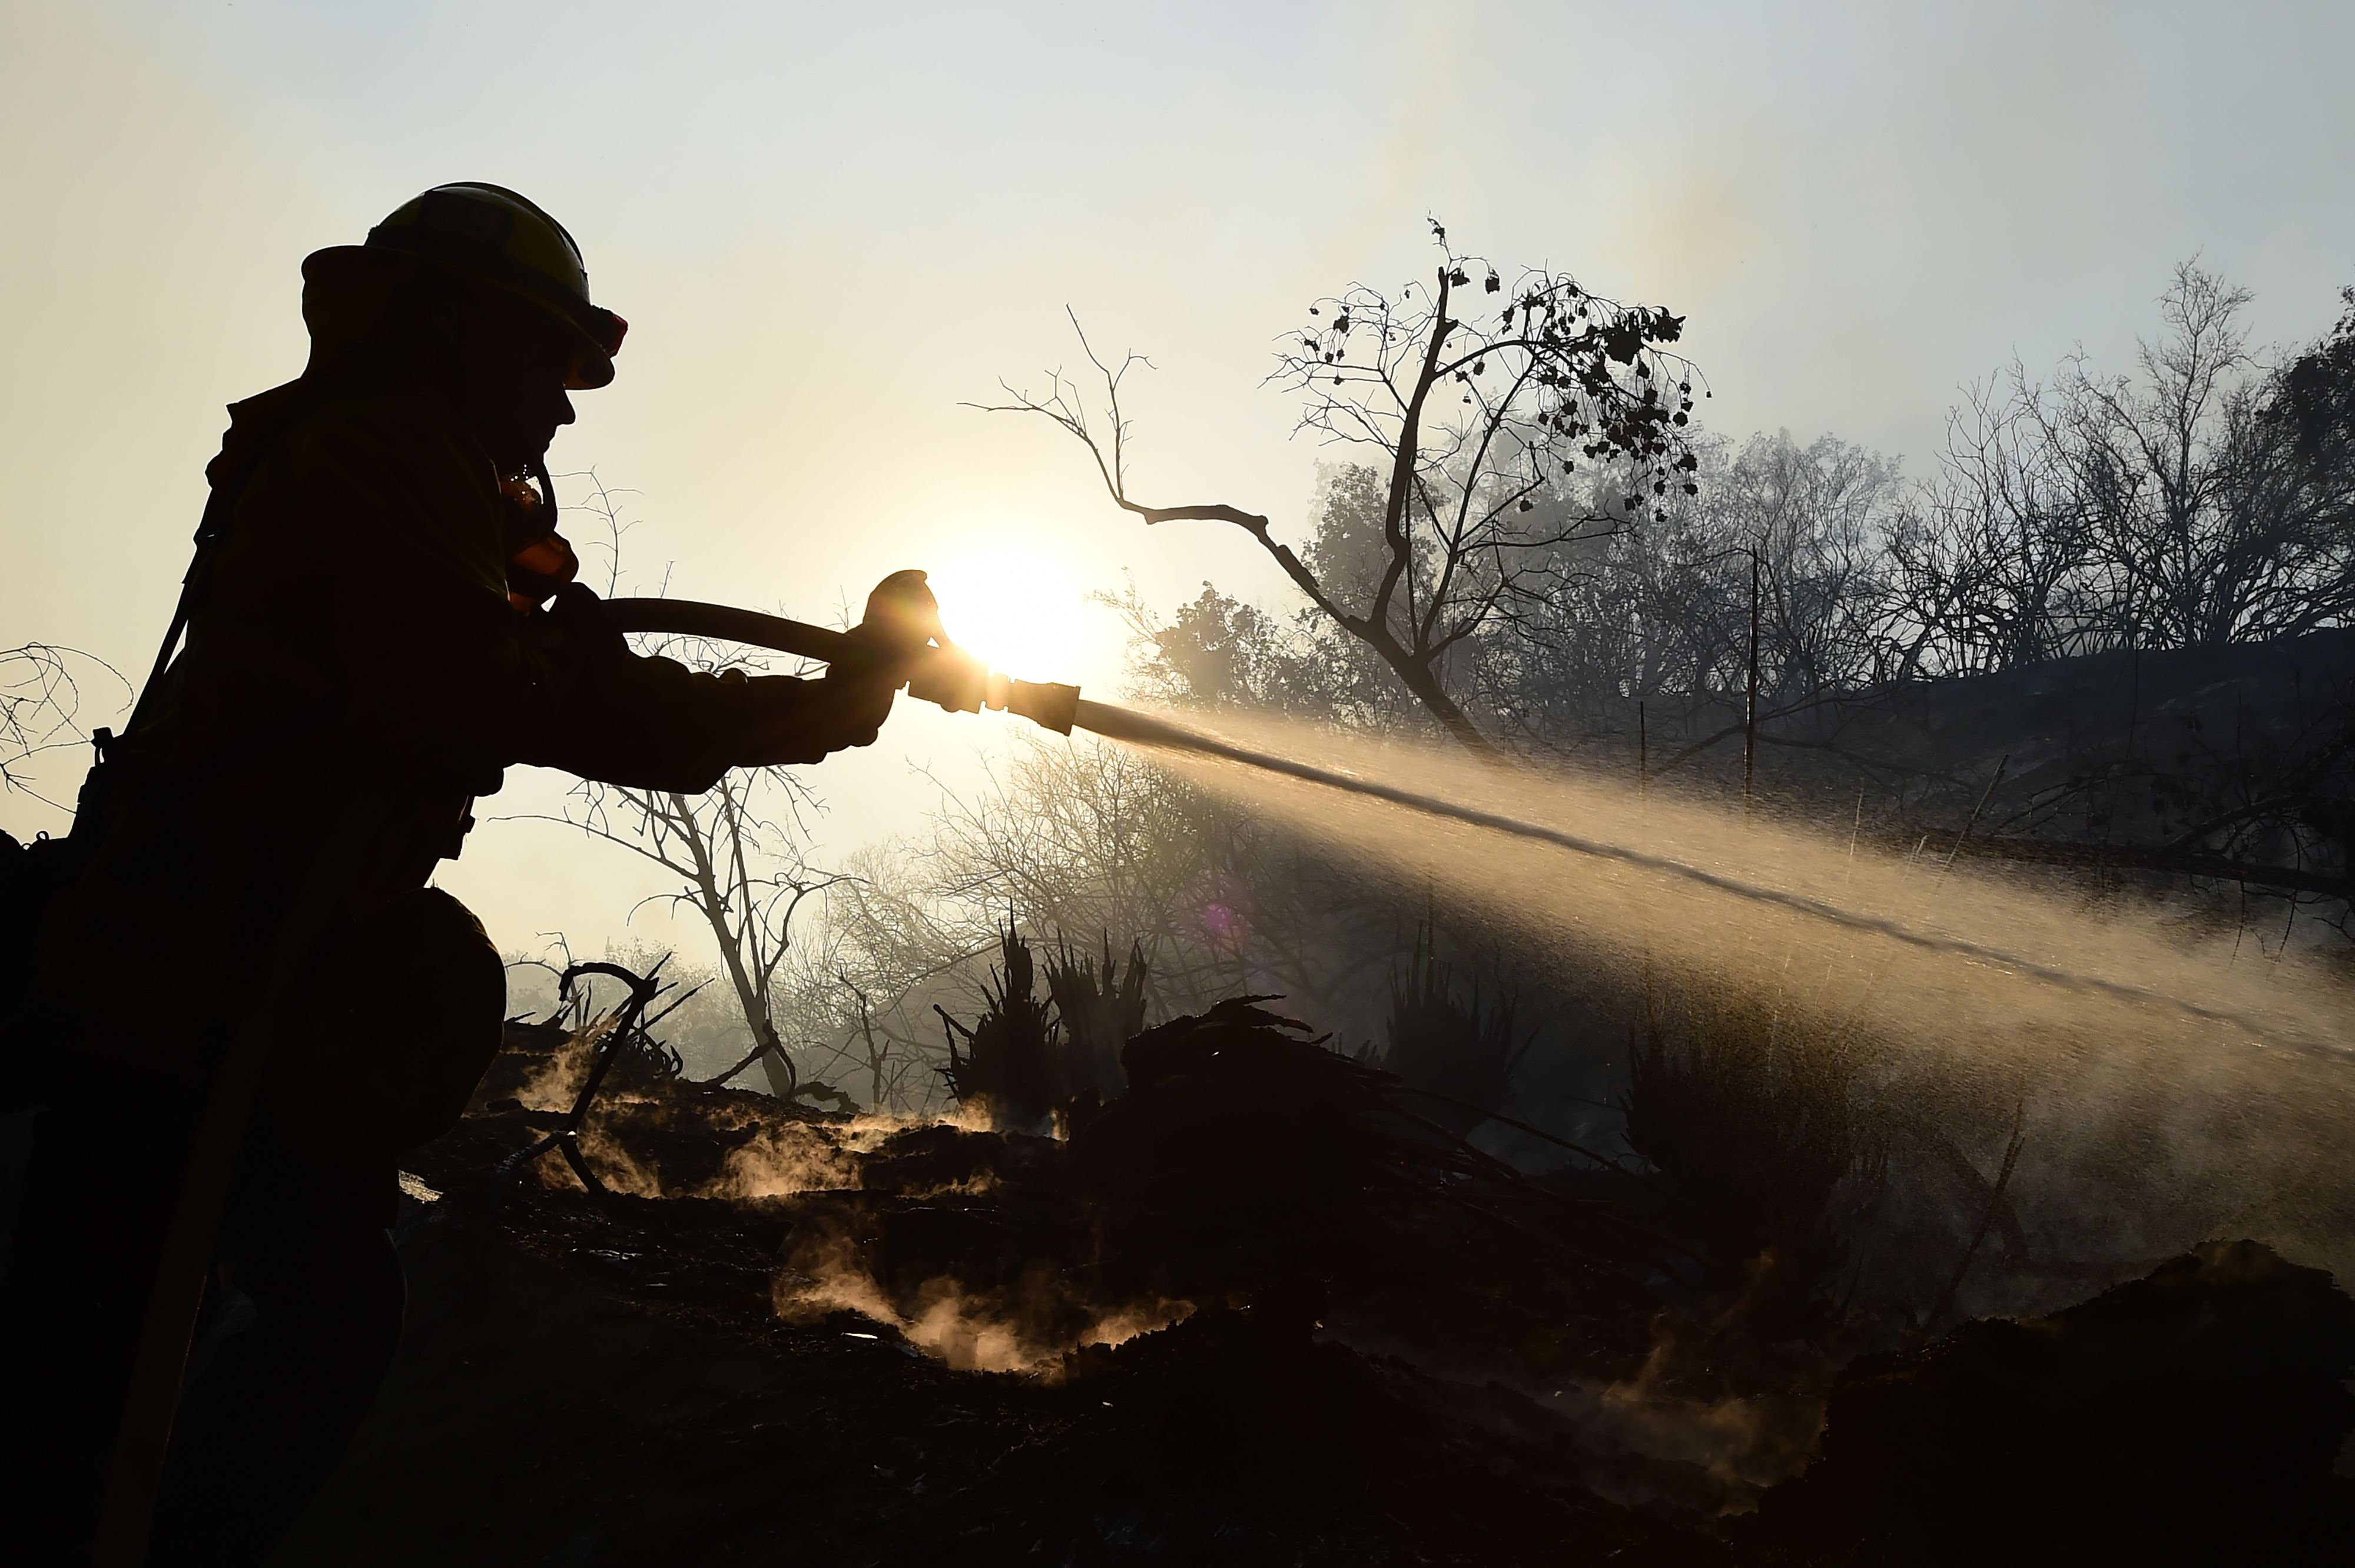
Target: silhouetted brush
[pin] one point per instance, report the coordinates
(1010, 1068)
(1243, 1142)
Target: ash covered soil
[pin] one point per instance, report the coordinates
(1253, 1311)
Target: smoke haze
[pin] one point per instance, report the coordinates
(829, 226)
(2201, 1077)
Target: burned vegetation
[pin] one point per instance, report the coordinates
(1220, 1292)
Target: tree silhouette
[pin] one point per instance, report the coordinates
(41, 698)
(1504, 423)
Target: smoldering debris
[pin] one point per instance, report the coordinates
(1242, 1156)
(1255, 1307)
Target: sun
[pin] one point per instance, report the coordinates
(1023, 613)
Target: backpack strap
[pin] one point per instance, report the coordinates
(229, 474)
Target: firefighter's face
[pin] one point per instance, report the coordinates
(513, 360)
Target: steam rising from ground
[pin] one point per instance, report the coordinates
(971, 1332)
(1026, 1326)
(2195, 1065)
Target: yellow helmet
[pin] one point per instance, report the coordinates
(490, 233)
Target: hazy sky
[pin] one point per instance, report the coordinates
(827, 225)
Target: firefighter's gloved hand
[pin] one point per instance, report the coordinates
(854, 697)
(903, 618)
(574, 613)
(560, 655)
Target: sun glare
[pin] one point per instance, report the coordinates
(1022, 612)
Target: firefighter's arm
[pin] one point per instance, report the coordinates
(442, 674)
(652, 723)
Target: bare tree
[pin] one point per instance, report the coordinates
(1081, 842)
(1990, 569)
(735, 850)
(865, 974)
(887, 1059)
(1095, 841)
(41, 699)
(1478, 425)
(1816, 518)
(2195, 495)
(2197, 502)
(1657, 613)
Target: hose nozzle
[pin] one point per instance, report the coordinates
(950, 677)
(1047, 704)
(961, 683)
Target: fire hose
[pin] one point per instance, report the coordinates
(1061, 709)
(937, 670)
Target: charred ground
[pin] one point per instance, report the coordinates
(1380, 1346)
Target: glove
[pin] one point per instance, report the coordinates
(587, 634)
(855, 697)
(902, 613)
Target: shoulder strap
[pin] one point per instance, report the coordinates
(229, 474)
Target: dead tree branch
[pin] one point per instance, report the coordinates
(1481, 499)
